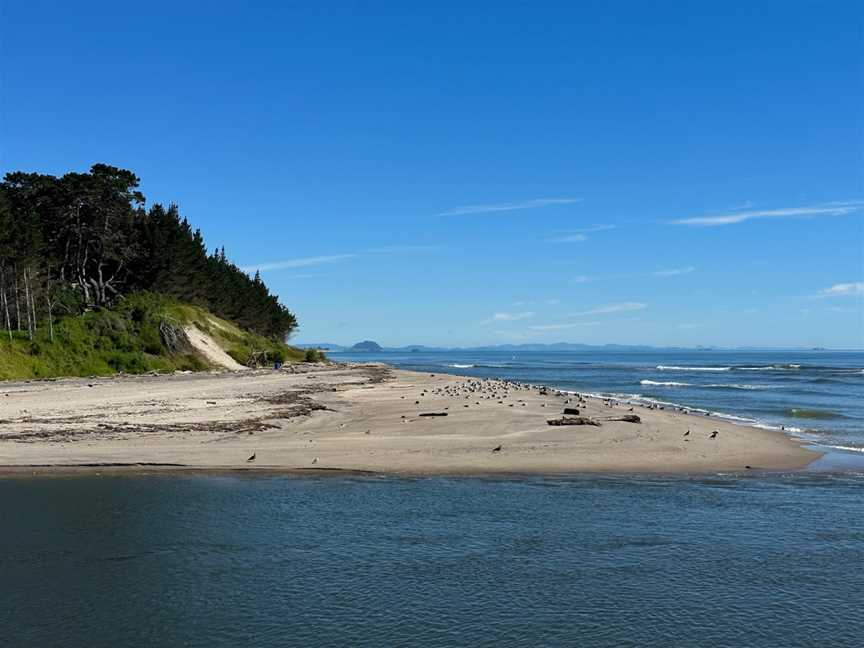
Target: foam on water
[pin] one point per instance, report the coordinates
(676, 368)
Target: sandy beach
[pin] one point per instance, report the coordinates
(360, 418)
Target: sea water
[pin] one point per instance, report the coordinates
(816, 395)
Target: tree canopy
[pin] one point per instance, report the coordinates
(83, 240)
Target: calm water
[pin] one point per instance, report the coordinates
(818, 395)
(267, 561)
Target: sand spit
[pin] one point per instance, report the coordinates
(361, 418)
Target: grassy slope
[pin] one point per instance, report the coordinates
(126, 338)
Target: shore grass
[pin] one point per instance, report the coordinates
(126, 338)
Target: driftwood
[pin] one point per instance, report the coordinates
(571, 410)
(627, 418)
(433, 414)
(573, 420)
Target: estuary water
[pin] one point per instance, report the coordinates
(275, 561)
(817, 395)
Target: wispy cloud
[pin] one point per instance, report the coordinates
(299, 263)
(560, 327)
(508, 317)
(580, 279)
(502, 207)
(827, 209)
(844, 289)
(622, 307)
(673, 272)
(569, 238)
(578, 235)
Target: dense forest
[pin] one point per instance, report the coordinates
(83, 241)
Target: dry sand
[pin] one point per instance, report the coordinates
(359, 418)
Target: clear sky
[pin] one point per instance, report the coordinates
(467, 173)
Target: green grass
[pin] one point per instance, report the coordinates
(126, 338)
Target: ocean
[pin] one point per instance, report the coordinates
(268, 560)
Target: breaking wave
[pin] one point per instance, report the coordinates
(674, 368)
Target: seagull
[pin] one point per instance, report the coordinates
(252, 458)
(315, 460)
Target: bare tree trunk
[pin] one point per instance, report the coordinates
(17, 300)
(49, 304)
(50, 319)
(27, 304)
(5, 301)
(32, 297)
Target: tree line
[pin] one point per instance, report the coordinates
(82, 241)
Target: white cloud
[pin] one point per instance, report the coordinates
(580, 279)
(570, 238)
(844, 289)
(525, 204)
(561, 327)
(672, 272)
(299, 263)
(827, 209)
(578, 235)
(553, 302)
(612, 308)
(508, 317)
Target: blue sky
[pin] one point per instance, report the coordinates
(470, 173)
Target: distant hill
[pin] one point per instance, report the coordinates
(557, 346)
(367, 345)
(323, 346)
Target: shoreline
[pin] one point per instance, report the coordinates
(362, 419)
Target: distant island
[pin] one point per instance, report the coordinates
(367, 345)
(93, 282)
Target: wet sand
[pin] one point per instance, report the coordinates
(362, 418)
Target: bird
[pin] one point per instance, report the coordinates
(252, 458)
(496, 449)
(714, 434)
(315, 460)
(687, 433)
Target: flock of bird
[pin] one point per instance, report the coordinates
(497, 390)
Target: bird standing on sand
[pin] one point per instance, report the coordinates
(714, 434)
(252, 458)
(687, 433)
(496, 449)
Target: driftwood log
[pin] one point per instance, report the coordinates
(627, 418)
(433, 414)
(573, 420)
